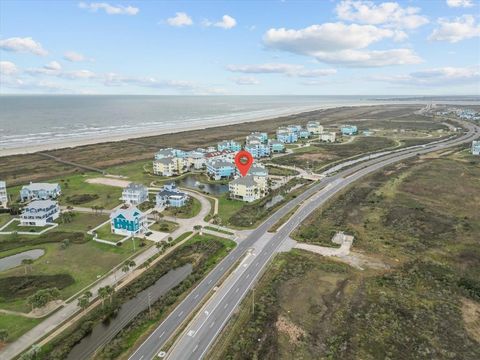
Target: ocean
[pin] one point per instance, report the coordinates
(32, 120)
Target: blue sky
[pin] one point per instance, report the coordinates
(240, 47)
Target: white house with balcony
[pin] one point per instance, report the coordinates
(328, 136)
(40, 213)
(3, 195)
(134, 194)
(40, 191)
(314, 127)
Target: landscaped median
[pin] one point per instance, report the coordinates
(203, 252)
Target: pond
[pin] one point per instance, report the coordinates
(103, 332)
(191, 181)
(12, 261)
(274, 201)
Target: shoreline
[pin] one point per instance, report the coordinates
(5, 152)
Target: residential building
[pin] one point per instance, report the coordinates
(170, 196)
(128, 221)
(258, 150)
(261, 136)
(476, 147)
(211, 149)
(276, 146)
(303, 134)
(328, 136)
(294, 128)
(257, 170)
(170, 152)
(135, 194)
(196, 159)
(314, 127)
(39, 213)
(349, 130)
(220, 169)
(169, 166)
(40, 191)
(248, 188)
(286, 136)
(3, 195)
(227, 155)
(231, 145)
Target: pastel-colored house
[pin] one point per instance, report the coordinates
(476, 147)
(3, 195)
(349, 130)
(260, 136)
(303, 134)
(170, 152)
(286, 135)
(169, 166)
(294, 128)
(328, 136)
(128, 221)
(314, 127)
(135, 194)
(248, 188)
(39, 213)
(197, 159)
(40, 191)
(258, 150)
(258, 170)
(276, 146)
(227, 155)
(231, 145)
(220, 169)
(170, 196)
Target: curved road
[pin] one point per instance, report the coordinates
(200, 333)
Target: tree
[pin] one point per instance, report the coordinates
(84, 300)
(3, 335)
(43, 297)
(159, 246)
(127, 265)
(27, 263)
(103, 293)
(198, 228)
(65, 244)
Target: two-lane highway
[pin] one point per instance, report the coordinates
(194, 345)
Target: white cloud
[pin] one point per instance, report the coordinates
(53, 68)
(387, 13)
(53, 65)
(456, 30)
(74, 56)
(227, 22)
(342, 44)
(435, 76)
(246, 80)
(460, 3)
(180, 19)
(277, 68)
(23, 45)
(8, 68)
(109, 9)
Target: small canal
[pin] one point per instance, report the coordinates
(103, 332)
(191, 181)
(9, 262)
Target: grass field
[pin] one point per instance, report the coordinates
(191, 209)
(16, 325)
(164, 226)
(422, 217)
(105, 233)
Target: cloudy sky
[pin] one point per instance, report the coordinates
(240, 47)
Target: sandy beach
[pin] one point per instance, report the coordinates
(33, 148)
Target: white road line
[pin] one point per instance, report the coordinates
(163, 333)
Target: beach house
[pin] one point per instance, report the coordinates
(328, 136)
(314, 127)
(170, 152)
(258, 150)
(128, 221)
(248, 188)
(476, 147)
(231, 145)
(261, 137)
(286, 135)
(348, 130)
(39, 213)
(169, 166)
(40, 191)
(196, 159)
(134, 194)
(276, 146)
(303, 134)
(170, 196)
(220, 169)
(3, 195)
(257, 170)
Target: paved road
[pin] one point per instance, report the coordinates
(200, 333)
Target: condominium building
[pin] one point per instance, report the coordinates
(169, 166)
(349, 130)
(248, 188)
(314, 127)
(258, 150)
(328, 136)
(220, 169)
(276, 146)
(3, 195)
(231, 145)
(476, 147)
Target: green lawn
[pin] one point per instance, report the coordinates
(164, 226)
(82, 222)
(15, 226)
(105, 233)
(16, 325)
(135, 171)
(4, 218)
(190, 210)
(227, 207)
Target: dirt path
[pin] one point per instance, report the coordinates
(108, 181)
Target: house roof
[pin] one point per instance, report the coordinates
(40, 186)
(130, 213)
(136, 187)
(220, 163)
(165, 161)
(40, 204)
(245, 180)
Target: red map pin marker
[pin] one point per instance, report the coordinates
(244, 161)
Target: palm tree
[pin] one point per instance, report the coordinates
(102, 292)
(127, 265)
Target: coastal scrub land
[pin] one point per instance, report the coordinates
(421, 220)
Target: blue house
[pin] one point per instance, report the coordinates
(170, 153)
(258, 150)
(303, 134)
(170, 196)
(349, 130)
(229, 145)
(40, 191)
(286, 136)
(276, 146)
(220, 169)
(261, 136)
(128, 221)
